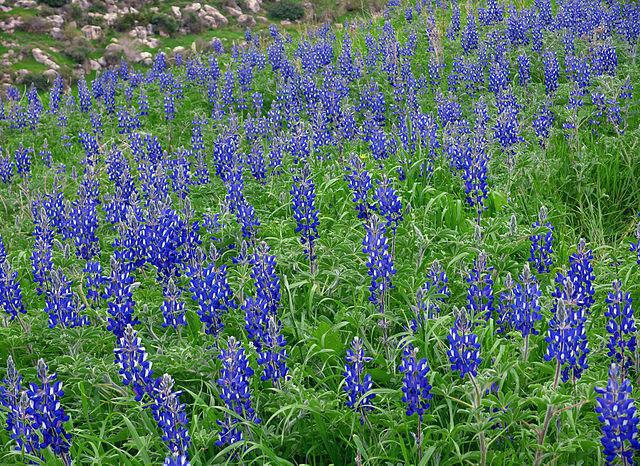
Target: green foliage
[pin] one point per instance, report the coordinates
(164, 23)
(285, 9)
(126, 22)
(54, 3)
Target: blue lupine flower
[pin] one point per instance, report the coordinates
(20, 423)
(356, 385)
(542, 243)
(379, 262)
(621, 326)
(474, 175)
(464, 349)
(48, 414)
(480, 290)
(524, 69)
(7, 167)
(120, 294)
(210, 289)
(173, 306)
(265, 279)
(581, 273)
(131, 358)
(542, 123)
(469, 38)
(235, 391)
(264, 329)
(415, 384)
(61, 304)
(10, 290)
(551, 72)
(526, 310)
(431, 295)
(388, 204)
(305, 213)
(567, 337)
(22, 157)
(171, 416)
(617, 413)
(359, 181)
(95, 281)
(41, 256)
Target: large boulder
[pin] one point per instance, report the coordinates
(193, 8)
(146, 58)
(235, 12)
(176, 11)
(43, 58)
(253, 5)
(92, 32)
(247, 21)
(56, 21)
(213, 17)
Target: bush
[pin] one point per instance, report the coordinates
(286, 9)
(164, 23)
(126, 22)
(192, 23)
(54, 3)
(38, 80)
(78, 50)
(34, 25)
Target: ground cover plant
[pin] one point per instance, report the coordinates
(410, 240)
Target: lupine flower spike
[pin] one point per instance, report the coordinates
(618, 415)
(415, 388)
(356, 383)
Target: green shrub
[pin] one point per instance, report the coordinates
(164, 23)
(78, 51)
(34, 25)
(38, 80)
(54, 3)
(192, 23)
(286, 9)
(126, 22)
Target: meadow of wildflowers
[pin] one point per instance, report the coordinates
(411, 239)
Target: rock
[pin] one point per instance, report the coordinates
(285, 22)
(26, 4)
(262, 19)
(43, 58)
(139, 32)
(178, 50)
(246, 21)
(55, 21)
(213, 17)
(10, 24)
(235, 12)
(84, 4)
(151, 42)
(21, 75)
(154, 9)
(92, 32)
(50, 75)
(253, 5)
(110, 18)
(57, 33)
(94, 65)
(146, 58)
(193, 8)
(176, 11)
(102, 61)
(114, 49)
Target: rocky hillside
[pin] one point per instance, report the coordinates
(39, 39)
